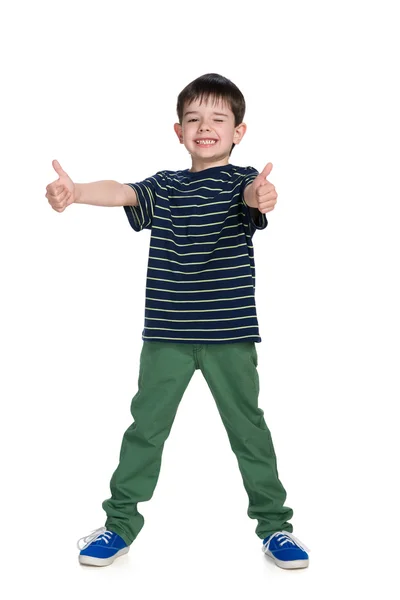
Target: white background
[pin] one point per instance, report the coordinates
(94, 85)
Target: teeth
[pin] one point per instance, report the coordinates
(206, 142)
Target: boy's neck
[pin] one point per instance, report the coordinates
(201, 166)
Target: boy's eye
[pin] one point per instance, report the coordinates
(220, 120)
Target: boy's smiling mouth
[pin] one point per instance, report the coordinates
(206, 142)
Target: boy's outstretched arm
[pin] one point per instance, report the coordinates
(105, 193)
(63, 192)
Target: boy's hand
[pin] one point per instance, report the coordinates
(264, 191)
(60, 193)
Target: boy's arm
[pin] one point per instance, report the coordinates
(105, 193)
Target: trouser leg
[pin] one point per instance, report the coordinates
(164, 374)
(231, 373)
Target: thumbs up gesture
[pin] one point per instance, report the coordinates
(60, 193)
(264, 191)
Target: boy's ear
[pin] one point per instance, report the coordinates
(178, 131)
(240, 130)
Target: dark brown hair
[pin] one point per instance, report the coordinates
(217, 86)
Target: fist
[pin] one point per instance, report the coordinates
(60, 193)
(265, 192)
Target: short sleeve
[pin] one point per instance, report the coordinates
(255, 218)
(141, 216)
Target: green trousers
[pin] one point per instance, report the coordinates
(165, 371)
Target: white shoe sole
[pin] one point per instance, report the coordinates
(286, 564)
(101, 562)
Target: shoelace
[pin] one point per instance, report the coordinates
(285, 537)
(96, 534)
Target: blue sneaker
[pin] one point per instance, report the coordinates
(101, 548)
(286, 550)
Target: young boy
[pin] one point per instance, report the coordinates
(200, 313)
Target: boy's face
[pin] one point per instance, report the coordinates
(208, 121)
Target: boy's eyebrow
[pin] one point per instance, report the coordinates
(190, 112)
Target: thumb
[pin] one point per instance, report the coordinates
(58, 168)
(266, 171)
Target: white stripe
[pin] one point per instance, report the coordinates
(197, 181)
(203, 234)
(201, 310)
(224, 289)
(203, 262)
(241, 337)
(200, 301)
(206, 225)
(192, 253)
(219, 329)
(198, 320)
(225, 237)
(220, 212)
(200, 280)
(177, 180)
(202, 270)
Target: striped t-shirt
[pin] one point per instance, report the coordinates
(201, 277)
